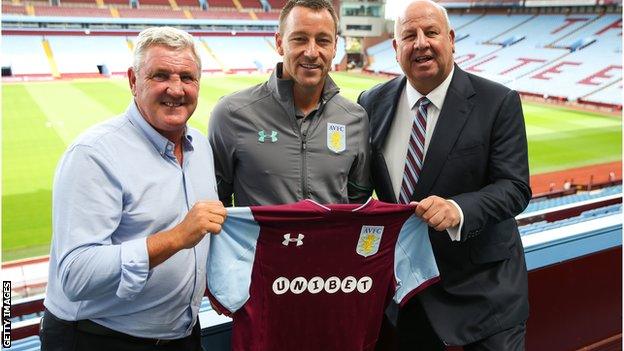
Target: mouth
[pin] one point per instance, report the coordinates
(172, 104)
(310, 66)
(423, 58)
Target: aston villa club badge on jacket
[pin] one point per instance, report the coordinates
(370, 237)
(336, 137)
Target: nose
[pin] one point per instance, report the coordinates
(421, 41)
(174, 88)
(311, 49)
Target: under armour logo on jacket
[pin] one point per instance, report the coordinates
(262, 136)
(288, 240)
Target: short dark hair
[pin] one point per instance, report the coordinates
(316, 5)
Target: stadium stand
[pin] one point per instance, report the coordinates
(111, 54)
(223, 13)
(106, 55)
(25, 55)
(14, 9)
(63, 11)
(161, 12)
(546, 203)
(221, 3)
(585, 216)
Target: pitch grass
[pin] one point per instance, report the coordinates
(41, 119)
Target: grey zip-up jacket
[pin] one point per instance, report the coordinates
(263, 156)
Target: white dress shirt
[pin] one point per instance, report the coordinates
(395, 147)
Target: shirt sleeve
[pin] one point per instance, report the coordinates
(231, 259)
(223, 142)
(414, 263)
(455, 232)
(87, 209)
(359, 185)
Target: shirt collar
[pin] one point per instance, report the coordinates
(436, 96)
(160, 143)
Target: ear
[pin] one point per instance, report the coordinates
(132, 80)
(452, 38)
(335, 46)
(278, 43)
(395, 46)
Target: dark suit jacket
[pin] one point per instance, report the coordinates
(478, 158)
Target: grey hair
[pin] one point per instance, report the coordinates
(401, 15)
(170, 37)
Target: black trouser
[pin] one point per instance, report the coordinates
(415, 333)
(60, 335)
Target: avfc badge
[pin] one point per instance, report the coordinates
(336, 137)
(370, 237)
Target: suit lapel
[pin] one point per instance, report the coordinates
(451, 121)
(386, 105)
(385, 109)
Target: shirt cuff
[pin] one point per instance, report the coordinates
(455, 232)
(134, 268)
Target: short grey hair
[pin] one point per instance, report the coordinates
(401, 15)
(170, 37)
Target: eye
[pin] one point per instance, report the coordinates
(160, 76)
(187, 78)
(431, 33)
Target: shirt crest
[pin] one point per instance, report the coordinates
(370, 237)
(336, 137)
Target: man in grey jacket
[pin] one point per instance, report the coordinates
(293, 137)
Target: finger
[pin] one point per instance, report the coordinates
(436, 220)
(213, 228)
(443, 224)
(221, 211)
(215, 218)
(433, 210)
(423, 206)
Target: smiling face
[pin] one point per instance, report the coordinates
(424, 46)
(166, 89)
(307, 42)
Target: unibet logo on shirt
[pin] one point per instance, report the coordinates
(316, 285)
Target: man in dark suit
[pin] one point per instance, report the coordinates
(461, 153)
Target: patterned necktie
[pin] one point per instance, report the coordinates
(415, 151)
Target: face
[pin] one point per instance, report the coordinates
(166, 89)
(308, 45)
(424, 46)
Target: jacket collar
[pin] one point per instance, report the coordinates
(453, 116)
(283, 89)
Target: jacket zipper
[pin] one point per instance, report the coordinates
(304, 169)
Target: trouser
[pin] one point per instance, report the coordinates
(415, 333)
(84, 335)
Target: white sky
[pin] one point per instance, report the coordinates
(392, 7)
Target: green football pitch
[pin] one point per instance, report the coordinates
(39, 120)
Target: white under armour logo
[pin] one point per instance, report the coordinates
(288, 240)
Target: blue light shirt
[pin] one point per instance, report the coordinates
(117, 184)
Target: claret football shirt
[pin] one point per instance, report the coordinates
(307, 276)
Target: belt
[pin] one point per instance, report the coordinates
(91, 327)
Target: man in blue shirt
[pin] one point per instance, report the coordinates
(133, 200)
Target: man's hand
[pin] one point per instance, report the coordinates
(205, 217)
(438, 213)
